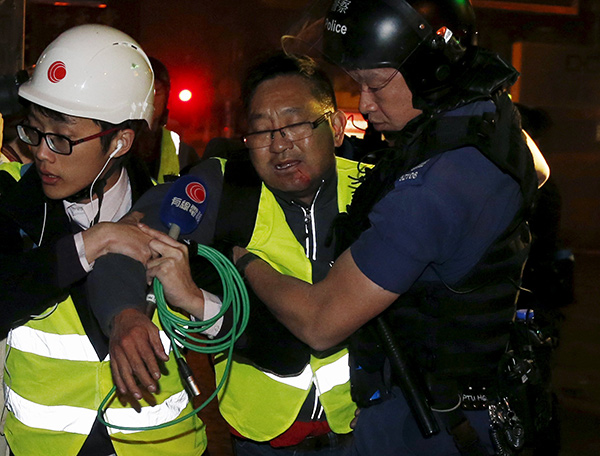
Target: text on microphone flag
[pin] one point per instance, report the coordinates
(184, 205)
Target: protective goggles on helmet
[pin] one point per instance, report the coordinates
(294, 132)
(56, 143)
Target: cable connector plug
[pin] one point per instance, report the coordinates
(188, 377)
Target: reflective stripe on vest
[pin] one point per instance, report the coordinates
(301, 381)
(169, 155)
(261, 405)
(176, 140)
(333, 374)
(325, 378)
(168, 410)
(74, 347)
(55, 382)
(78, 420)
(64, 418)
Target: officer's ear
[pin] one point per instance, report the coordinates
(338, 123)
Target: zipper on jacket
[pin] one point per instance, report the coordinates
(310, 231)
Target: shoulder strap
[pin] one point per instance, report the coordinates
(497, 135)
(239, 203)
(139, 177)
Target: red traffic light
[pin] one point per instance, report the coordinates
(185, 95)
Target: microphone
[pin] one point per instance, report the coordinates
(183, 206)
(181, 212)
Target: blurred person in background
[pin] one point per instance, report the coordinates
(160, 148)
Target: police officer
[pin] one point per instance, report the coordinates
(91, 92)
(436, 234)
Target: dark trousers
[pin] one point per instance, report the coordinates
(388, 429)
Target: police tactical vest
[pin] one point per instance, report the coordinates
(431, 317)
(460, 330)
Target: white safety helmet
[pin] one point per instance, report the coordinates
(96, 72)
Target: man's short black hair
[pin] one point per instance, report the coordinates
(161, 73)
(281, 64)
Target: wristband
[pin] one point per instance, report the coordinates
(244, 261)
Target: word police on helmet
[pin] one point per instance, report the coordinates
(431, 42)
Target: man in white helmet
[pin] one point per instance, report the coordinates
(91, 93)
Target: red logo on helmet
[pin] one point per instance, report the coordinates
(196, 192)
(57, 71)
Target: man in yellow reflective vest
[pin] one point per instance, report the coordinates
(281, 396)
(161, 149)
(91, 92)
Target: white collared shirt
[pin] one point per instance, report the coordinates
(116, 203)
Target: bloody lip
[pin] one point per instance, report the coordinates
(286, 166)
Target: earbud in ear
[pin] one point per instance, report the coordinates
(117, 149)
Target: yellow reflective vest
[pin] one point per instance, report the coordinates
(55, 383)
(261, 405)
(169, 155)
(12, 168)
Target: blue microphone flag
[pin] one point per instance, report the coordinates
(185, 204)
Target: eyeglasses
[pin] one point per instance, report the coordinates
(294, 132)
(57, 143)
(374, 81)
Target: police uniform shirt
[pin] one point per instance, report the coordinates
(444, 212)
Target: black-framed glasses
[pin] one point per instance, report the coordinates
(56, 143)
(294, 132)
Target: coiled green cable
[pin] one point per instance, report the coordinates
(183, 332)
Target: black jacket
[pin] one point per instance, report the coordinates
(31, 278)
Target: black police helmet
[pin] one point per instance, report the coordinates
(430, 41)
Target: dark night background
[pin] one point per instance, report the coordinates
(555, 44)
(207, 44)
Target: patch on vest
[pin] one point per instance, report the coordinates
(414, 173)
